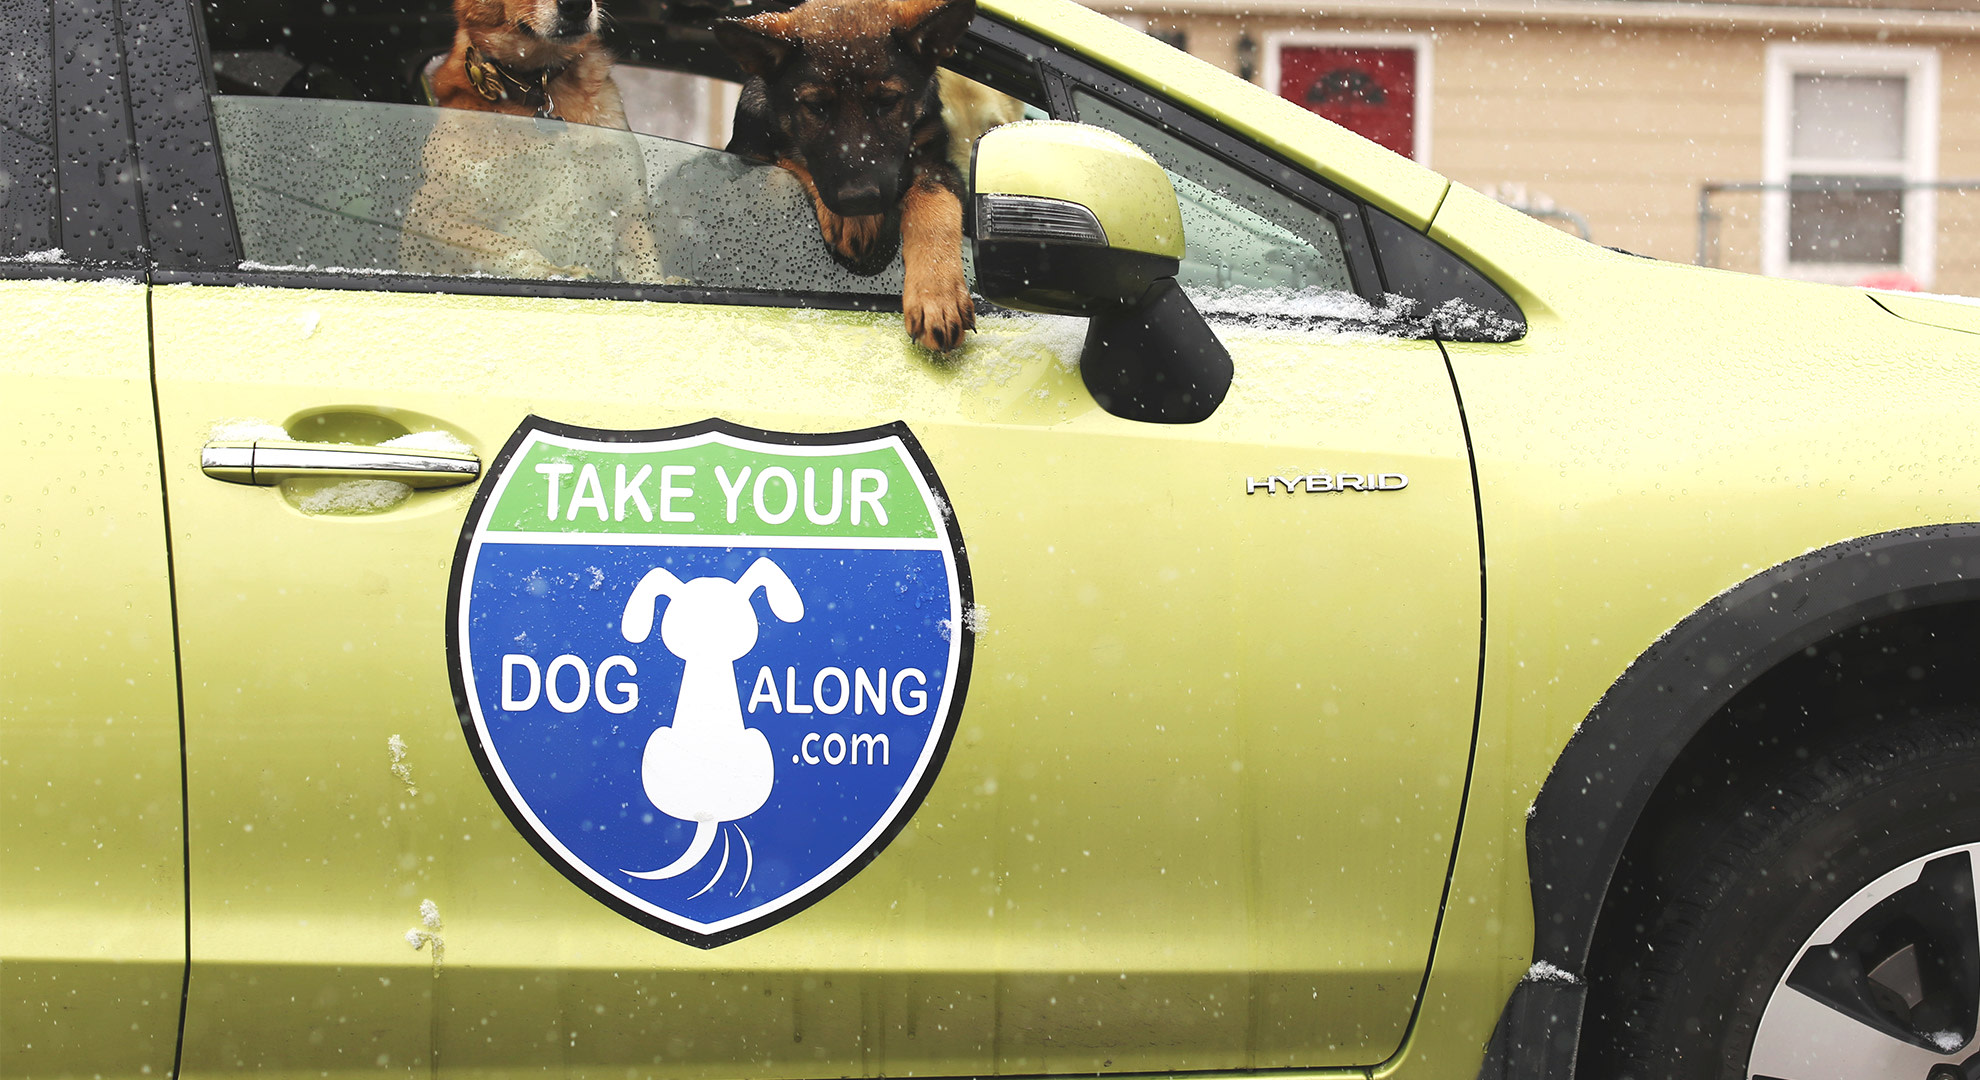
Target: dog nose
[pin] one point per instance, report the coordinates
(576, 12)
(861, 197)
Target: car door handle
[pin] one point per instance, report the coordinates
(266, 462)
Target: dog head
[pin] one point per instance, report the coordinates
(526, 31)
(849, 83)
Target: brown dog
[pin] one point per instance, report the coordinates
(510, 198)
(843, 93)
(530, 58)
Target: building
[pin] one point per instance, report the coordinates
(1838, 142)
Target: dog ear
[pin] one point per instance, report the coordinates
(757, 46)
(785, 603)
(637, 622)
(931, 29)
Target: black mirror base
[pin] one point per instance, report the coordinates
(1157, 360)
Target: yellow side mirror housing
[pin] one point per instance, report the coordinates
(1077, 220)
(1070, 218)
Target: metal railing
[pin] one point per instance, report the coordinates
(1551, 214)
(1730, 231)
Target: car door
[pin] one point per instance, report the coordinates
(92, 915)
(1203, 782)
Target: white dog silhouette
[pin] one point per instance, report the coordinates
(707, 767)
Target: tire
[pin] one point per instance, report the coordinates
(1825, 929)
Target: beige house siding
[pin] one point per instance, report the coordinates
(1621, 119)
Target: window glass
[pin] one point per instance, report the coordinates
(27, 140)
(373, 186)
(1849, 117)
(356, 185)
(337, 160)
(1238, 233)
(1846, 189)
(1845, 219)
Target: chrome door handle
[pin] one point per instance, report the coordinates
(269, 461)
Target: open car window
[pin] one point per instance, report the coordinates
(371, 186)
(335, 162)
(322, 184)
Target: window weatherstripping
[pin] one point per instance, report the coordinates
(1376, 85)
(1851, 149)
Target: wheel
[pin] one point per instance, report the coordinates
(1826, 927)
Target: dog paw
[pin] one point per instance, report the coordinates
(937, 314)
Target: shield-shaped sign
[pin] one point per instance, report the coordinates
(709, 671)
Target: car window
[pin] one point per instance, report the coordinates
(1238, 233)
(359, 185)
(335, 161)
(27, 140)
(321, 184)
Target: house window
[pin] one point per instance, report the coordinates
(1175, 37)
(1375, 85)
(1852, 143)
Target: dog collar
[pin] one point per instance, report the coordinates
(497, 83)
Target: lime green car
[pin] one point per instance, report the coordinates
(489, 598)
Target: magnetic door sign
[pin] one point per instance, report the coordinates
(709, 671)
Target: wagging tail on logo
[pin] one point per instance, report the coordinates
(1323, 483)
(715, 777)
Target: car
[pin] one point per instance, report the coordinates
(1319, 620)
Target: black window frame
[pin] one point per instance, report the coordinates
(95, 205)
(30, 211)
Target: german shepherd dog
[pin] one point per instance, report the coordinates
(843, 93)
(530, 58)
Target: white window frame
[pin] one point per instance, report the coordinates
(1919, 66)
(1420, 135)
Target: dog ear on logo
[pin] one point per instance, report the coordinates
(930, 29)
(757, 43)
(637, 622)
(777, 588)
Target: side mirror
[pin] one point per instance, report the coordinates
(1076, 220)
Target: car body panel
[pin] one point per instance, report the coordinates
(1931, 311)
(1173, 832)
(1250, 871)
(92, 915)
(1627, 480)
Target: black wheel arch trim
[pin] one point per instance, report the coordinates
(1605, 776)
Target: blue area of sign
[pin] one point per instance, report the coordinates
(868, 659)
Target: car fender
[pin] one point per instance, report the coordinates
(1600, 785)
